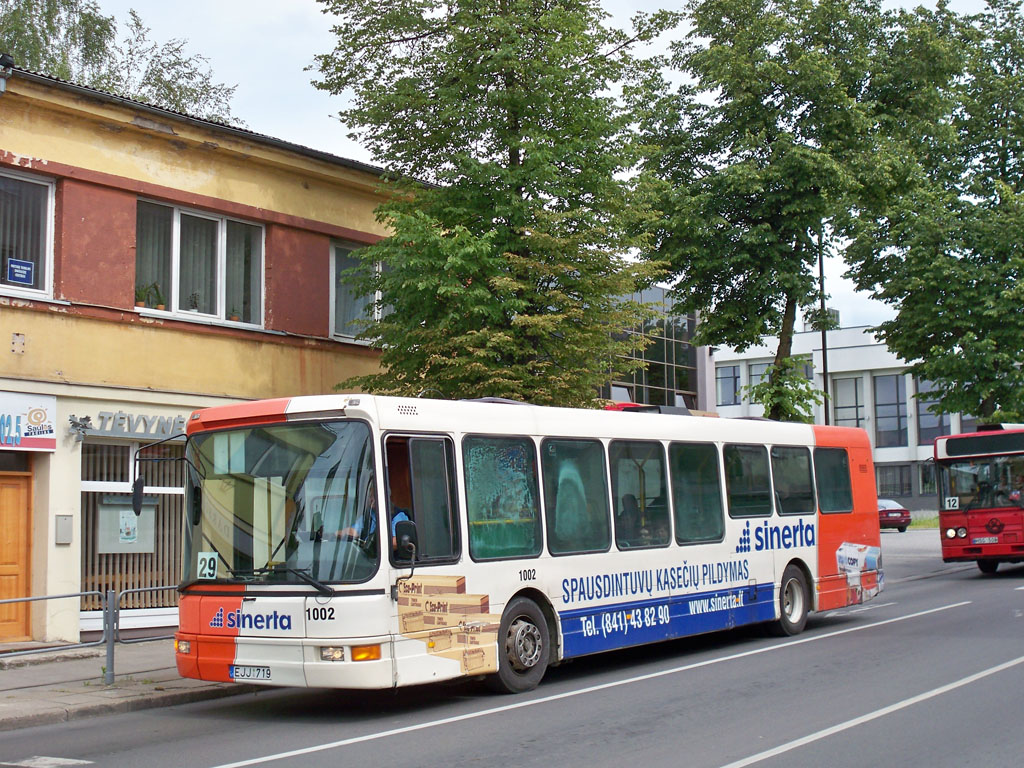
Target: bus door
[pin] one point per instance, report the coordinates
(793, 537)
(748, 491)
(431, 605)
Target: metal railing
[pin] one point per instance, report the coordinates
(111, 635)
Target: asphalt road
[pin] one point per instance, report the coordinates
(930, 673)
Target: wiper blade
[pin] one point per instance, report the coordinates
(302, 573)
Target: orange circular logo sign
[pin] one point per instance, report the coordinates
(36, 416)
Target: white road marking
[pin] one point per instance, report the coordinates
(861, 609)
(571, 694)
(40, 761)
(826, 732)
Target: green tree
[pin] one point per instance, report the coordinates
(943, 247)
(74, 41)
(752, 162)
(503, 275)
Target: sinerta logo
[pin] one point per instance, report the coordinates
(238, 620)
(767, 537)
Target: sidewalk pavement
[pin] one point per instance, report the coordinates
(56, 686)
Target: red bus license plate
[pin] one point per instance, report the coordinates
(985, 540)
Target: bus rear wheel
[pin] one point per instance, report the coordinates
(794, 603)
(524, 648)
(988, 567)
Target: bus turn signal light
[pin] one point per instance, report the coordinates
(365, 653)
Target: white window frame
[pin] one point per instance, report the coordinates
(220, 316)
(47, 291)
(377, 314)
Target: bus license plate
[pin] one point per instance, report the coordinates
(985, 540)
(245, 672)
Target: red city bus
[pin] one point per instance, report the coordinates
(980, 480)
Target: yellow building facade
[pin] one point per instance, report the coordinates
(152, 264)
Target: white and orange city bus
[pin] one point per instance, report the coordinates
(362, 541)
(980, 480)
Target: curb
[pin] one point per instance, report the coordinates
(131, 704)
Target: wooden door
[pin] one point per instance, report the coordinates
(15, 517)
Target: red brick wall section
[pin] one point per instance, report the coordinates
(94, 253)
(298, 281)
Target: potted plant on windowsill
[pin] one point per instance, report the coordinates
(193, 301)
(158, 296)
(141, 295)
(233, 315)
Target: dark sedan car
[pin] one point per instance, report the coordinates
(892, 515)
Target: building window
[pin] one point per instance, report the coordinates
(927, 478)
(727, 383)
(929, 425)
(756, 372)
(352, 313)
(119, 550)
(193, 263)
(848, 402)
(26, 213)
(893, 480)
(670, 374)
(890, 410)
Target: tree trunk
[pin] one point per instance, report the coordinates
(784, 350)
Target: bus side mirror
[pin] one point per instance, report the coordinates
(137, 487)
(405, 540)
(197, 505)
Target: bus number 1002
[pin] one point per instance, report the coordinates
(528, 574)
(320, 614)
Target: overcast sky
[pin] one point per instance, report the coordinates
(263, 47)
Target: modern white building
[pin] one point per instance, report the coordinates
(868, 387)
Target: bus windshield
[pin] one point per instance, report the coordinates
(983, 483)
(289, 503)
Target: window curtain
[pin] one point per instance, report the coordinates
(349, 309)
(197, 282)
(154, 226)
(23, 229)
(242, 281)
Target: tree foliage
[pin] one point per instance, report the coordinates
(74, 41)
(504, 269)
(754, 159)
(785, 391)
(941, 243)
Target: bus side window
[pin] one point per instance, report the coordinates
(832, 475)
(747, 480)
(791, 476)
(696, 492)
(502, 499)
(421, 488)
(640, 490)
(575, 496)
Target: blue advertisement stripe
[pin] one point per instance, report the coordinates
(620, 625)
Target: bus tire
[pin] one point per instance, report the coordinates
(988, 567)
(794, 601)
(524, 648)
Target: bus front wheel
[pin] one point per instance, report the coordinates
(793, 602)
(988, 567)
(524, 648)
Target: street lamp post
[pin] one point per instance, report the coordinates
(824, 321)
